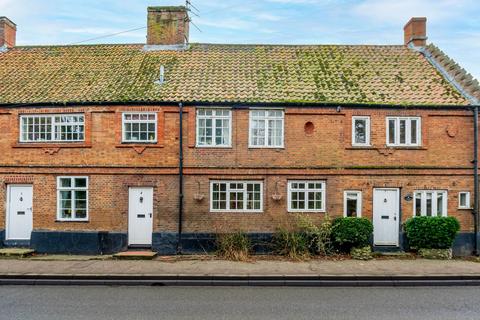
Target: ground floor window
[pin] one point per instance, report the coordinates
(72, 197)
(352, 203)
(306, 196)
(244, 196)
(464, 200)
(432, 203)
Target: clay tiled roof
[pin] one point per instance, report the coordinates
(223, 73)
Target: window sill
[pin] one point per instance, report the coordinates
(306, 211)
(406, 147)
(465, 208)
(139, 144)
(213, 147)
(234, 212)
(266, 147)
(51, 145)
(71, 221)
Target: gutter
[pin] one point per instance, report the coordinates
(180, 179)
(239, 105)
(475, 181)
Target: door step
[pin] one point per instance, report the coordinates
(135, 255)
(387, 249)
(16, 243)
(16, 252)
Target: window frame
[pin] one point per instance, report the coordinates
(245, 196)
(407, 131)
(124, 121)
(323, 199)
(73, 189)
(468, 204)
(359, 202)
(266, 118)
(53, 125)
(214, 145)
(434, 203)
(367, 131)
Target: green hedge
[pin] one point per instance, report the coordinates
(349, 232)
(431, 232)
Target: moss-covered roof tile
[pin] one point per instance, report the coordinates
(223, 73)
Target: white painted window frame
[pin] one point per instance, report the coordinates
(124, 121)
(73, 188)
(434, 202)
(367, 131)
(213, 118)
(468, 204)
(244, 182)
(408, 137)
(53, 124)
(266, 118)
(359, 202)
(323, 191)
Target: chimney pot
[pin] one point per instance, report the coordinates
(415, 32)
(167, 25)
(8, 32)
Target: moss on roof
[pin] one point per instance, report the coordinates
(223, 73)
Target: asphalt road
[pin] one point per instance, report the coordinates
(41, 302)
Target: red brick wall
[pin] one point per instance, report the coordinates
(326, 154)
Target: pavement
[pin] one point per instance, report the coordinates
(97, 265)
(211, 271)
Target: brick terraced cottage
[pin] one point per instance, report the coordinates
(166, 143)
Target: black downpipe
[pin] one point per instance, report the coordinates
(180, 179)
(475, 179)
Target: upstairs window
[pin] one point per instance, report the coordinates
(52, 128)
(214, 127)
(140, 127)
(361, 131)
(306, 196)
(430, 203)
(403, 131)
(72, 198)
(266, 129)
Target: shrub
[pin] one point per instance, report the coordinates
(364, 253)
(293, 244)
(431, 232)
(233, 246)
(318, 236)
(349, 232)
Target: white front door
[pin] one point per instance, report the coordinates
(140, 216)
(386, 215)
(19, 212)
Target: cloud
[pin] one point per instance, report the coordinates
(267, 17)
(95, 31)
(229, 23)
(394, 12)
(297, 1)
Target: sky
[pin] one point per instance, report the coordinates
(452, 25)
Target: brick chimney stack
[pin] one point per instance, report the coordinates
(8, 32)
(415, 32)
(167, 25)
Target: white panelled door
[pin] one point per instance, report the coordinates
(386, 216)
(140, 216)
(19, 212)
